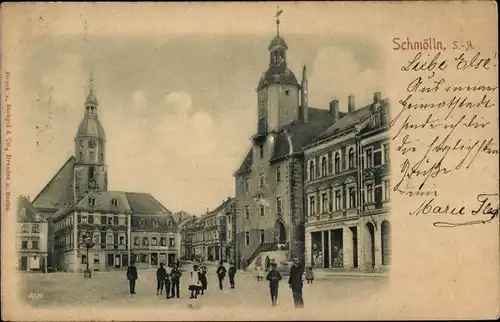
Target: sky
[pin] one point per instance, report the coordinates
(178, 111)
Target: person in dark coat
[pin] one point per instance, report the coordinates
(168, 284)
(132, 277)
(203, 279)
(221, 274)
(274, 277)
(295, 282)
(232, 273)
(161, 273)
(175, 276)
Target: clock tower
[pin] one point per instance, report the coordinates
(278, 90)
(90, 170)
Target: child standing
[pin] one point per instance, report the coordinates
(274, 277)
(260, 273)
(167, 286)
(309, 275)
(194, 283)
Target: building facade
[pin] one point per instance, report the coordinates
(32, 238)
(76, 202)
(347, 189)
(269, 182)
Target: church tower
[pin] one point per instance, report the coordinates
(278, 89)
(90, 171)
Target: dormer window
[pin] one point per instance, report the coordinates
(287, 93)
(155, 223)
(114, 202)
(169, 223)
(92, 144)
(142, 222)
(92, 201)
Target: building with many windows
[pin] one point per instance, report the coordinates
(269, 182)
(347, 189)
(76, 202)
(32, 237)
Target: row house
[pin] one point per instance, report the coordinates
(124, 227)
(32, 238)
(211, 236)
(340, 200)
(186, 237)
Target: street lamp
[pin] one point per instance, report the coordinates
(87, 241)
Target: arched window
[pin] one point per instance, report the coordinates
(311, 170)
(337, 162)
(351, 158)
(324, 168)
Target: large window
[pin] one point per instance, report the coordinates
(311, 170)
(324, 202)
(137, 240)
(278, 174)
(338, 200)
(262, 236)
(352, 197)
(324, 166)
(351, 158)
(278, 205)
(312, 205)
(369, 157)
(247, 184)
(337, 162)
(386, 153)
(369, 193)
(387, 190)
(247, 212)
(172, 241)
(261, 180)
(262, 211)
(247, 238)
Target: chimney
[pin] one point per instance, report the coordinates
(350, 104)
(377, 97)
(334, 110)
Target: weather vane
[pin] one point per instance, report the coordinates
(91, 83)
(278, 14)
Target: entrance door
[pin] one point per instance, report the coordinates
(171, 260)
(117, 261)
(24, 263)
(354, 231)
(386, 247)
(282, 233)
(111, 260)
(370, 245)
(124, 260)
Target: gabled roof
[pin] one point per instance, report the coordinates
(103, 202)
(26, 212)
(163, 222)
(346, 122)
(293, 137)
(145, 203)
(59, 190)
(299, 134)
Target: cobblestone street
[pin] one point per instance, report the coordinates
(111, 288)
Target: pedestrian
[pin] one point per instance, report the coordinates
(161, 273)
(295, 282)
(221, 274)
(309, 275)
(203, 279)
(232, 273)
(260, 273)
(167, 286)
(274, 277)
(194, 282)
(175, 277)
(132, 277)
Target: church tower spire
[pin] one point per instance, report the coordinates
(90, 140)
(278, 89)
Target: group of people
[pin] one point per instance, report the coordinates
(198, 280)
